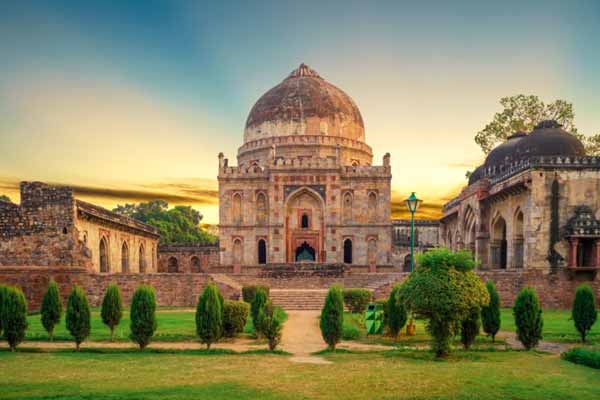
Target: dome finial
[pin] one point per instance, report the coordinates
(303, 70)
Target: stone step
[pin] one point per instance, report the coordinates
(298, 299)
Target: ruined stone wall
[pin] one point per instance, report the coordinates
(171, 289)
(189, 258)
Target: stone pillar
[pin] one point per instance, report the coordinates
(573, 252)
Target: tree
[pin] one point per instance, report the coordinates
(143, 315)
(357, 300)
(14, 316)
(443, 289)
(523, 113)
(209, 316)
(3, 290)
(490, 314)
(112, 308)
(271, 325)
(584, 313)
(78, 316)
(397, 315)
(51, 308)
(235, 316)
(260, 300)
(179, 224)
(5, 198)
(528, 318)
(332, 317)
(470, 328)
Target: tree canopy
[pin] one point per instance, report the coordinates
(179, 224)
(5, 198)
(523, 113)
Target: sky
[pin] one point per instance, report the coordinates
(132, 100)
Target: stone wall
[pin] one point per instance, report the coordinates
(191, 258)
(171, 289)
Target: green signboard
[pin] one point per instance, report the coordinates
(374, 319)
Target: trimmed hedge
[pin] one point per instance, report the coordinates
(51, 310)
(235, 316)
(143, 315)
(248, 292)
(587, 357)
(357, 300)
(14, 316)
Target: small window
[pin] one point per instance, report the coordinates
(304, 221)
(65, 231)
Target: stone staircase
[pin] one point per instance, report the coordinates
(298, 299)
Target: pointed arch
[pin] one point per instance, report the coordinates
(348, 251)
(518, 235)
(261, 208)
(195, 265)
(372, 251)
(347, 206)
(173, 265)
(104, 255)
(237, 252)
(498, 245)
(236, 208)
(262, 251)
(372, 206)
(142, 258)
(124, 257)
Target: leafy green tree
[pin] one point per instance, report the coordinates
(51, 310)
(260, 300)
(14, 316)
(357, 300)
(396, 312)
(112, 308)
(470, 328)
(209, 316)
(143, 315)
(271, 325)
(443, 289)
(332, 317)
(584, 313)
(528, 318)
(5, 198)
(490, 314)
(179, 224)
(78, 316)
(523, 113)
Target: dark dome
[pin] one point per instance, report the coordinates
(507, 151)
(304, 104)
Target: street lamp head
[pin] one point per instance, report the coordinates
(412, 203)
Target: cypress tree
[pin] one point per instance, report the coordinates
(490, 314)
(396, 310)
(584, 313)
(112, 308)
(14, 316)
(3, 290)
(209, 316)
(470, 328)
(332, 317)
(78, 316)
(528, 318)
(271, 325)
(51, 308)
(143, 315)
(260, 300)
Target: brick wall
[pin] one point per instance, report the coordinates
(206, 255)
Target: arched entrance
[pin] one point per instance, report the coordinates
(124, 258)
(262, 251)
(348, 251)
(103, 255)
(173, 265)
(499, 244)
(304, 226)
(142, 259)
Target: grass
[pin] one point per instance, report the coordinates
(173, 326)
(394, 374)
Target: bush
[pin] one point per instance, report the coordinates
(235, 316)
(112, 308)
(14, 316)
(357, 300)
(78, 316)
(584, 311)
(397, 314)
(258, 303)
(248, 292)
(51, 310)
(209, 316)
(490, 314)
(332, 317)
(3, 290)
(143, 315)
(271, 325)
(528, 318)
(443, 289)
(587, 357)
(470, 328)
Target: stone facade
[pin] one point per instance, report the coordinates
(427, 236)
(187, 258)
(304, 189)
(51, 228)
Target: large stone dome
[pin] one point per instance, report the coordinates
(308, 113)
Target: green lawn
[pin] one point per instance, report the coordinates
(395, 374)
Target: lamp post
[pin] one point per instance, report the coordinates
(412, 203)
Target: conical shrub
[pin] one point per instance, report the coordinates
(51, 310)
(78, 316)
(209, 316)
(3, 290)
(528, 318)
(396, 312)
(490, 314)
(14, 316)
(143, 315)
(258, 304)
(332, 317)
(584, 313)
(112, 308)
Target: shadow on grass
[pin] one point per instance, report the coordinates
(99, 350)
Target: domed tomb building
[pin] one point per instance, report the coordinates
(304, 189)
(534, 204)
